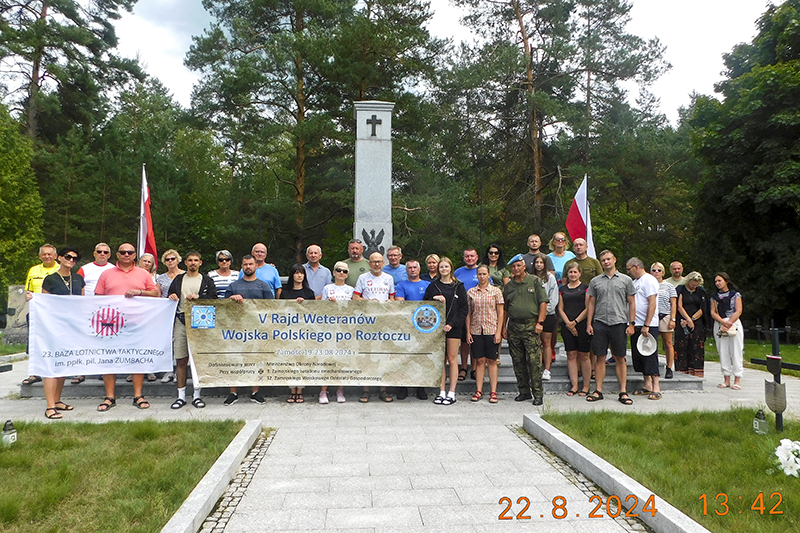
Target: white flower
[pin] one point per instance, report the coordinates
(788, 454)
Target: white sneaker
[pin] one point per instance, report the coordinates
(323, 397)
(169, 376)
(340, 396)
(546, 375)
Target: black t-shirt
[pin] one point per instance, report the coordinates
(55, 284)
(288, 293)
(574, 299)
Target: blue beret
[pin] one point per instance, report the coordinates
(514, 259)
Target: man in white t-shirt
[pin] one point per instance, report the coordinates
(91, 271)
(646, 324)
(375, 285)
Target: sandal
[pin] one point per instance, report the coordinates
(626, 400)
(462, 374)
(736, 386)
(30, 380)
(298, 398)
(595, 396)
(493, 397)
(141, 403)
(177, 404)
(438, 400)
(477, 396)
(107, 404)
(291, 399)
(572, 392)
(61, 406)
(450, 400)
(723, 386)
(385, 396)
(364, 397)
(198, 403)
(78, 379)
(55, 415)
(583, 392)
(654, 396)
(642, 392)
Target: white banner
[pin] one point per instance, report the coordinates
(80, 335)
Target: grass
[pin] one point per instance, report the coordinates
(682, 456)
(9, 349)
(790, 353)
(119, 476)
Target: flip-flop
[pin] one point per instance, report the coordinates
(654, 396)
(642, 392)
(78, 379)
(30, 380)
(723, 386)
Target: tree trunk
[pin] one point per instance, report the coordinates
(534, 127)
(32, 113)
(300, 145)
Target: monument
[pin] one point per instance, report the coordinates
(373, 195)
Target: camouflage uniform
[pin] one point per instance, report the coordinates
(522, 300)
(525, 347)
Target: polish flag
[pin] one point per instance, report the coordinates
(579, 223)
(147, 238)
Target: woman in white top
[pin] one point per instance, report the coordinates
(337, 291)
(667, 312)
(726, 308)
(550, 322)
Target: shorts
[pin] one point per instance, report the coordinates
(581, 343)
(646, 364)
(180, 347)
(550, 324)
(484, 346)
(613, 336)
(456, 333)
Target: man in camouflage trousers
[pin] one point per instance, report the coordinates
(525, 302)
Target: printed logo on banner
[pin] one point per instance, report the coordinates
(426, 318)
(204, 317)
(107, 322)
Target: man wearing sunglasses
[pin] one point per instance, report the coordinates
(125, 279)
(91, 271)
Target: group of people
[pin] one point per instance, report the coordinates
(522, 300)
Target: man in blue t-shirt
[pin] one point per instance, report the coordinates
(468, 275)
(398, 272)
(413, 290)
(265, 271)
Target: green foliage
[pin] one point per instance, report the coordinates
(81, 477)
(20, 205)
(750, 144)
(725, 456)
(58, 60)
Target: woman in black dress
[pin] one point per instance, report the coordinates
(296, 288)
(61, 282)
(448, 289)
(690, 335)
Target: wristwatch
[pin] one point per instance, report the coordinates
(632, 323)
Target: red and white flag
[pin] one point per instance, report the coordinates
(579, 223)
(146, 243)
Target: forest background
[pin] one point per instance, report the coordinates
(491, 138)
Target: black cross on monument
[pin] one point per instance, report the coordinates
(374, 121)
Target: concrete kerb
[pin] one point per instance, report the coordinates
(667, 519)
(190, 516)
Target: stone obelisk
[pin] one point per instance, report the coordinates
(373, 205)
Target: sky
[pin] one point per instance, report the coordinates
(695, 32)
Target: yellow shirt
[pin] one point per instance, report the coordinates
(36, 275)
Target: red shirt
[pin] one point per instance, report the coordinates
(116, 281)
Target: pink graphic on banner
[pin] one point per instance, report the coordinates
(107, 322)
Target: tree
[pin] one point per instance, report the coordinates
(20, 205)
(59, 55)
(279, 78)
(749, 202)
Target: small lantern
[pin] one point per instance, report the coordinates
(9, 434)
(760, 425)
